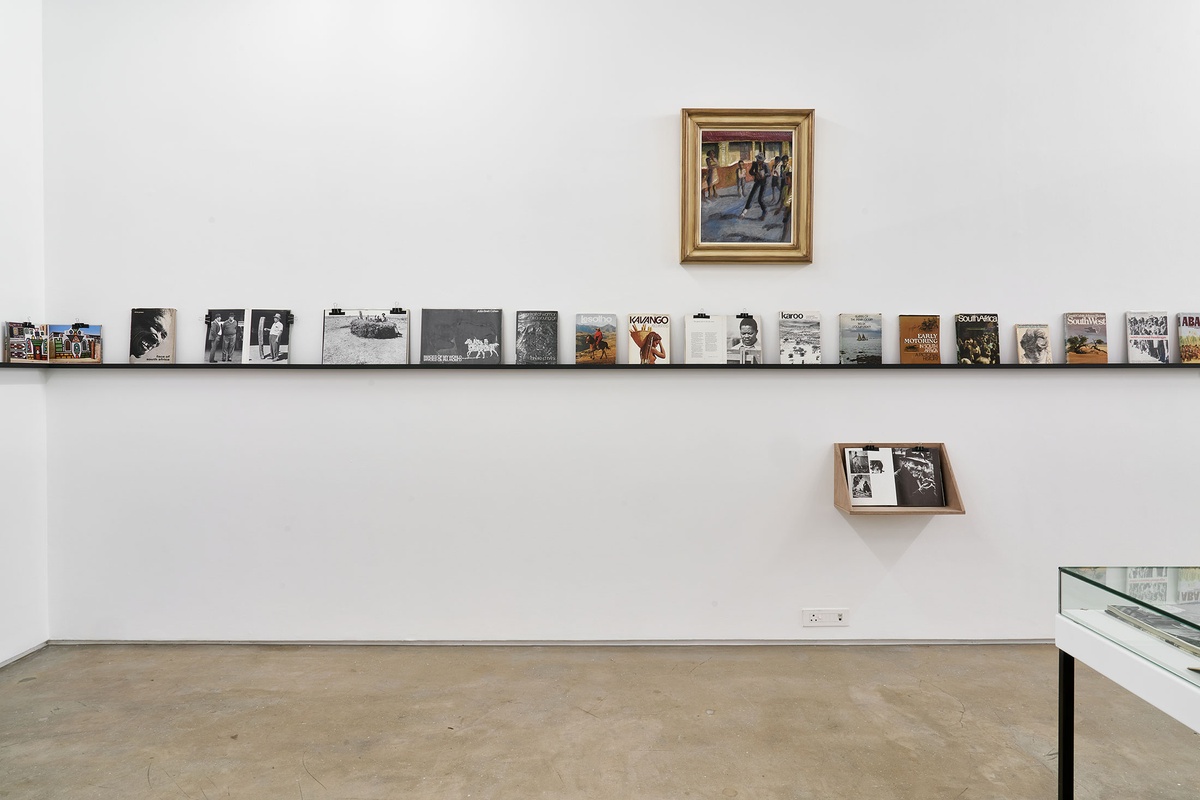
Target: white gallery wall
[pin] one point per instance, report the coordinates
(1017, 158)
(23, 568)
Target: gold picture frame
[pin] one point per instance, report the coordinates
(724, 216)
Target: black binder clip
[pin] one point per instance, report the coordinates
(75, 326)
(920, 448)
(291, 318)
(397, 310)
(208, 319)
(335, 312)
(744, 315)
(701, 315)
(869, 447)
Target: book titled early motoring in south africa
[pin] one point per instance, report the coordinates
(1189, 337)
(537, 337)
(152, 336)
(649, 339)
(1086, 336)
(1148, 342)
(799, 337)
(920, 339)
(596, 339)
(977, 338)
(365, 336)
(860, 338)
(468, 336)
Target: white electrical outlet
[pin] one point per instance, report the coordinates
(825, 617)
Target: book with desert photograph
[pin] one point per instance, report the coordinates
(920, 339)
(1086, 336)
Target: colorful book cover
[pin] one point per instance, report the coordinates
(1086, 337)
(225, 337)
(152, 336)
(75, 344)
(920, 339)
(596, 339)
(799, 337)
(1189, 337)
(977, 338)
(467, 336)
(365, 336)
(649, 339)
(1148, 342)
(26, 343)
(860, 338)
(537, 337)
(270, 333)
(743, 339)
(1033, 343)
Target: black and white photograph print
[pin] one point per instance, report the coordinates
(861, 489)
(1148, 337)
(858, 463)
(225, 338)
(152, 336)
(744, 340)
(269, 335)
(870, 476)
(537, 337)
(799, 337)
(467, 336)
(365, 336)
(918, 477)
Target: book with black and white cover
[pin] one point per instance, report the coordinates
(152, 336)
(468, 336)
(919, 480)
(537, 337)
(860, 338)
(75, 344)
(1148, 342)
(1033, 343)
(225, 337)
(270, 333)
(1189, 337)
(870, 474)
(920, 339)
(596, 339)
(365, 336)
(26, 343)
(977, 338)
(704, 339)
(1086, 336)
(1162, 627)
(799, 337)
(743, 337)
(649, 339)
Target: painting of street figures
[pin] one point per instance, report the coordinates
(747, 186)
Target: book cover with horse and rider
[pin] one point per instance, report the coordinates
(596, 339)
(465, 336)
(649, 339)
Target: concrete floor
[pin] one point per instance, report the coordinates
(881, 722)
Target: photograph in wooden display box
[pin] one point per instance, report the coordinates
(894, 479)
(596, 339)
(225, 340)
(860, 338)
(468, 336)
(365, 336)
(152, 336)
(746, 188)
(799, 337)
(26, 343)
(270, 331)
(537, 337)
(977, 338)
(920, 339)
(1033, 343)
(1189, 337)
(77, 343)
(1147, 335)
(649, 339)
(1086, 337)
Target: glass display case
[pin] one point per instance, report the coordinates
(1151, 611)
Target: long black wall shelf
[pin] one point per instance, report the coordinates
(596, 368)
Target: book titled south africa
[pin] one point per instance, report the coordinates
(596, 339)
(799, 337)
(537, 337)
(860, 338)
(1148, 342)
(1086, 337)
(920, 339)
(649, 339)
(977, 338)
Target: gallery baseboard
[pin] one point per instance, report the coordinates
(552, 642)
(19, 656)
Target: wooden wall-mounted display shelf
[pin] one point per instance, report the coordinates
(841, 488)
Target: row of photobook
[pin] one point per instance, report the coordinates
(474, 336)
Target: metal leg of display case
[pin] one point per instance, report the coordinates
(1066, 725)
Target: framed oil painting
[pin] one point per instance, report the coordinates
(747, 186)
